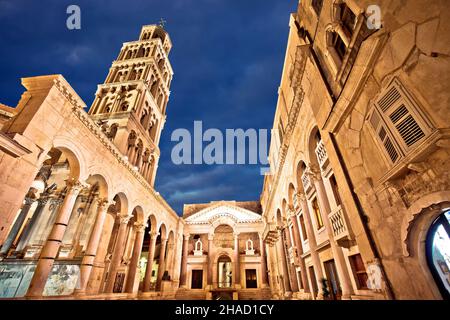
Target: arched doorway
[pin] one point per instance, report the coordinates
(438, 252)
(224, 272)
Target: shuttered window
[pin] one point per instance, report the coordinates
(397, 121)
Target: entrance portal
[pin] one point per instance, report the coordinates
(438, 253)
(224, 277)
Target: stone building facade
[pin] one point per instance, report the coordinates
(355, 207)
(223, 252)
(79, 213)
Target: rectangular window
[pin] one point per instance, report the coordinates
(339, 46)
(302, 226)
(335, 188)
(317, 6)
(348, 19)
(317, 214)
(359, 271)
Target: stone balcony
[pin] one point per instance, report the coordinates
(341, 228)
(270, 234)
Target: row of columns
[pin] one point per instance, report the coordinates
(54, 240)
(283, 243)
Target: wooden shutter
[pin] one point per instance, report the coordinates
(383, 136)
(402, 116)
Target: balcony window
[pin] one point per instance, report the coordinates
(302, 226)
(348, 19)
(317, 214)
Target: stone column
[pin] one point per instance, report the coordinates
(118, 253)
(299, 246)
(312, 241)
(237, 262)
(184, 258)
(283, 255)
(150, 258)
(263, 261)
(162, 263)
(292, 277)
(54, 240)
(324, 205)
(210, 259)
(29, 200)
(28, 230)
(91, 250)
(137, 249)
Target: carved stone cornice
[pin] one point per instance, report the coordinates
(88, 122)
(301, 58)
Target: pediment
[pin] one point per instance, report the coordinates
(223, 212)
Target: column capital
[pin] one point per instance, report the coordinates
(104, 203)
(236, 235)
(314, 173)
(75, 186)
(186, 237)
(210, 236)
(301, 196)
(124, 219)
(29, 200)
(153, 234)
(140, 227)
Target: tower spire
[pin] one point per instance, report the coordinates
(130, 106)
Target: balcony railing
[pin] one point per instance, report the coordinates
(342, 233)
(307, 185)
(270, 234)
(322, 155)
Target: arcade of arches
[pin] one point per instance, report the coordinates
(356, 205)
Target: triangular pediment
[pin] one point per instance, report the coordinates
(210, 214)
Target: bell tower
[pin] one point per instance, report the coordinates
(130, 105)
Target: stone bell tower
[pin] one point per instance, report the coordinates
(131, 104)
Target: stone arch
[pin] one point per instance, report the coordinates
(138, 213)
(415, 227)
(102, 184)
(313, 138)
(162, 230)
(419, 217)
(76, 158)
(121, 203)
(151, 220)
(291, 194)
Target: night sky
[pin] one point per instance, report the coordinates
(227, 57)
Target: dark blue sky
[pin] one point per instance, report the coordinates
(227, 58)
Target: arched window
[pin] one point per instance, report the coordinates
(438, 252)
(198, 248)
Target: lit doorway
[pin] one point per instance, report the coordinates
(438, 252)
(224, 269)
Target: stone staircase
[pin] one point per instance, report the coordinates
(255, 294)
(186, 294)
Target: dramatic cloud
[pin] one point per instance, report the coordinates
(227, 58)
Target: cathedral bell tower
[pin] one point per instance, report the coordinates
(130, 105)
